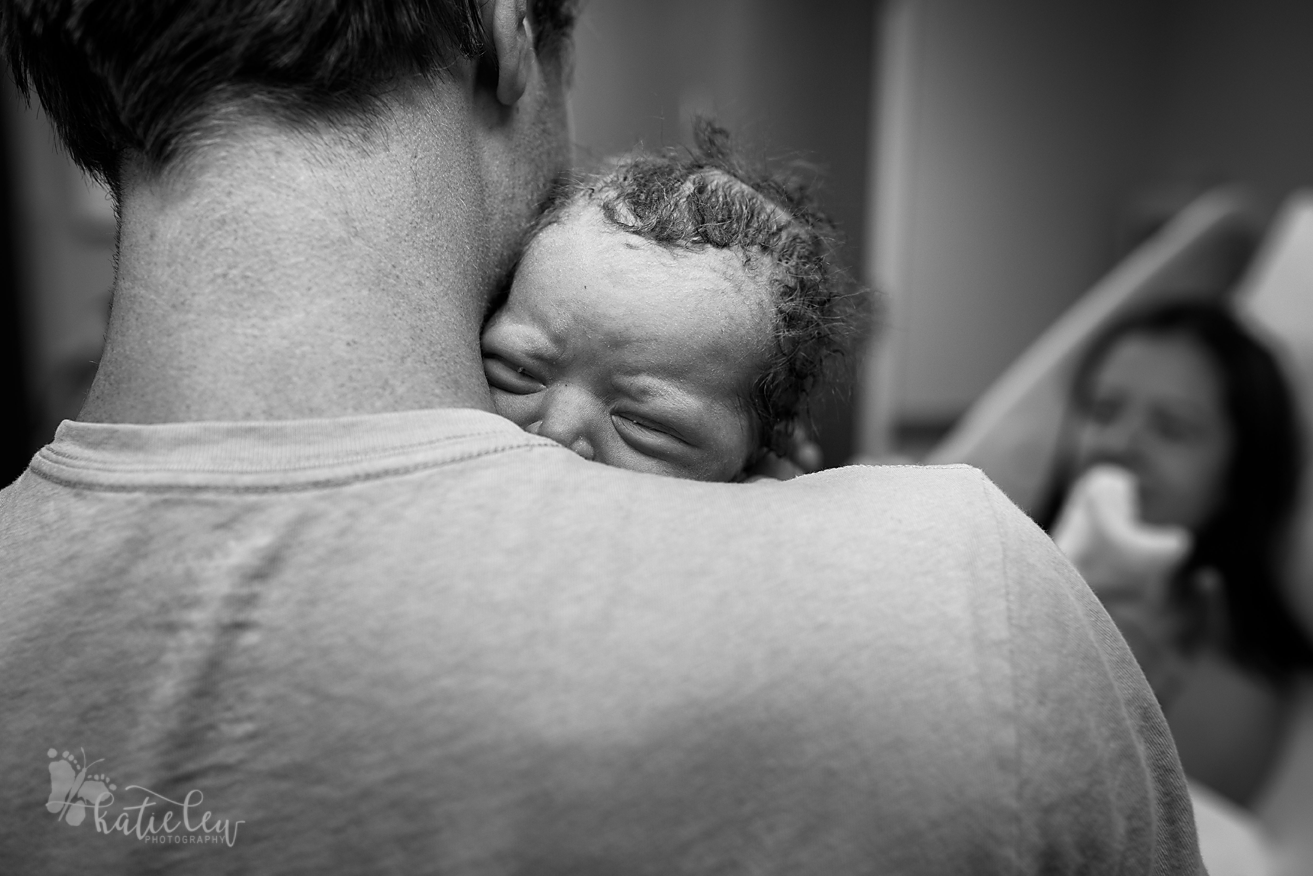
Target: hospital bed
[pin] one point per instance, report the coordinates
(1012, 432)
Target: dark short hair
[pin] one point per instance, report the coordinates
(1244, 538)
(147, 75)
(710, 196)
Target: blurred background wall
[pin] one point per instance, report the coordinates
(1237, 89)
(1024, 146)
(1020, 127)
(58, 270)
(987, 161)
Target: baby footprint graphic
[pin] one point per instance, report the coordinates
(62, 777)
(68, 785)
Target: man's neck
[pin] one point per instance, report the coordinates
(279, 279)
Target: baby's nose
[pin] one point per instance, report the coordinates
(583, 447)
(578, 443)
(565, 421)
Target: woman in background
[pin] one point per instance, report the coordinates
(1197, 411)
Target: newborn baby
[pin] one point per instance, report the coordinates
(672, 315)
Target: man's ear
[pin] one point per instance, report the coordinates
(507, 21)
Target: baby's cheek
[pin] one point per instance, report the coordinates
(519, 409)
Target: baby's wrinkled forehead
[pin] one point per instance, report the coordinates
(687, 305)
(720, 271)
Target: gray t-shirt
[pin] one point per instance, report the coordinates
(428, 642)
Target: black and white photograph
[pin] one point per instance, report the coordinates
(656, 437)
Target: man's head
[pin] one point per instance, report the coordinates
(156, 80)
(148, 93)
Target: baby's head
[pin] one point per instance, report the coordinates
(672, 315)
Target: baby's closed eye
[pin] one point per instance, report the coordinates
(509, 377)
(649, 435)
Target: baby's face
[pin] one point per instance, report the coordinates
(628, 353)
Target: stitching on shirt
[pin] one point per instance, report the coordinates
(326, 483)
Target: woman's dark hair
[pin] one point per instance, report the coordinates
(1243, 540)
(712, 197)
(148, 75)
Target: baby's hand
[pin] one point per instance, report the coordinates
(804, 458)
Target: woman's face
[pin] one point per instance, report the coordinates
(1156, 407)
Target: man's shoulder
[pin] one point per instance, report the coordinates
(843, 497)
(942, 487)
(854, 511)
(946, 526)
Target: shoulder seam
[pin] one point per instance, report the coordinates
(1008, 601)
